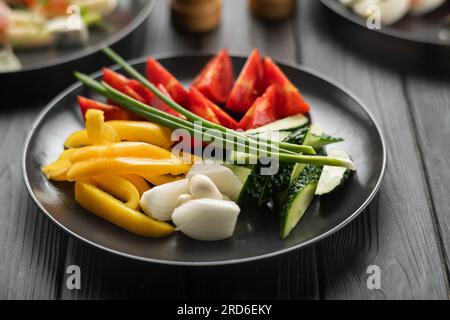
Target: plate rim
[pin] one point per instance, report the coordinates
(137, 21)
(390, 32)
(266, 256)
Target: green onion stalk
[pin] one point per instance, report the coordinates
(241, 145)
(286, 147)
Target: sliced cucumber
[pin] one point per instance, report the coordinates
(332, 178)
(287, 172)
(299, 197)
(286, 124)
(258, 189)
(318, 139)
(273, 135)
(241, 172)
(253, 189)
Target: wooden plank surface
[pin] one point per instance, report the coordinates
(397, 232)
(31, 247)
(428, 97)
(291, 276)
(406, 230)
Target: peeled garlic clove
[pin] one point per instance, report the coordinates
(160, 202)
(225, 180)
(202, 187)
(207, 219)
(183, 199)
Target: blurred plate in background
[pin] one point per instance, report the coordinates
(48, 70)
(413, 40)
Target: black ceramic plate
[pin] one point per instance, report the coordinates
(414, 39)
(50, 63)
(257, 233)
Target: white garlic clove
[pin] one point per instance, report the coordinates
(160, 202)
(202, 187)
(183, 199)
(225, 180)
(207, 219)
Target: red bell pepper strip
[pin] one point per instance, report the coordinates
(290, 101)
(216, 79)
(248, 86)
(157, 74)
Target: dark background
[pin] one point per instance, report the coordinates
(405, 231)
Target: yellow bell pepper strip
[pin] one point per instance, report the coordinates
(121, 149)
(138, 131)
(97, 130)
(120, 188)
(77, 139)
(57, 171)
(95, 167)
(140, 183)
(162, 179)
(143, 131)
(109, 208)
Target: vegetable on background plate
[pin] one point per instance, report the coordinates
(216, 79)
(248, 86)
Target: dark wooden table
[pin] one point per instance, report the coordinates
(405, 231)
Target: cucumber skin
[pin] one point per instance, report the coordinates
(309, 176)
(259, 189)
(281, 181)
(345, 178)
(320, 141)
(253, 189)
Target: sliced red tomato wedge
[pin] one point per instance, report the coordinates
(200, 106)
(290, 101)
(157, 74)
(224, 118)
(121, 83)
(248, 86)
(262, 112)
(152, 100)
(161, 105)
(110, 112)
(216, 79)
